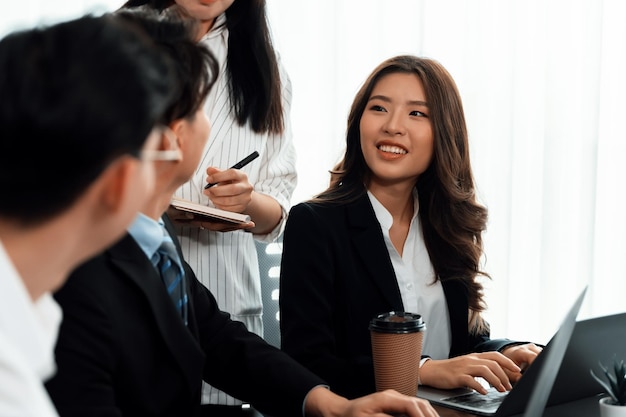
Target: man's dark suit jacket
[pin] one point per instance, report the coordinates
(336, 275)
(124, 350)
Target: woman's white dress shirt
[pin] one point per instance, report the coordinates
(421, 294)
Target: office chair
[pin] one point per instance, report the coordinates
(269, 267)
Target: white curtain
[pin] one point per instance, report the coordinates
(544, 92)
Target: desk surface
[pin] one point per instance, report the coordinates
(587, 407)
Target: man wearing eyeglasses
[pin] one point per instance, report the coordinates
(72, 175)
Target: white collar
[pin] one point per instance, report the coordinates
(382, 214)
(31, 326)
(219, 26)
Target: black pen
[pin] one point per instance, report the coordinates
(245, 161)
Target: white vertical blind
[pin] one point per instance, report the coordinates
(544, 91)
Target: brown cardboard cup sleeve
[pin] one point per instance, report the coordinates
(397, 348)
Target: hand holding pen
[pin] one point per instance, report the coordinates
(245, 161)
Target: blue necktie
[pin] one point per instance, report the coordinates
(165, 259)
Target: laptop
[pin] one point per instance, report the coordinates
(599, 339)
(530, 393)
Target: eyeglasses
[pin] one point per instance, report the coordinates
(152, 155)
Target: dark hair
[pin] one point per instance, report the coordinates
(452, 219)
(195, 67)
(253, 75)
(73, 96)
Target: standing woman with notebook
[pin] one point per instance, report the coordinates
(249, 111)
(399, 228)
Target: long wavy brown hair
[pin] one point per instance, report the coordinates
(452, 219)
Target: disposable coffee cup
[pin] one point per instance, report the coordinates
(397, 348)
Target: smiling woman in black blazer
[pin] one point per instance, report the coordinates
(399, 228)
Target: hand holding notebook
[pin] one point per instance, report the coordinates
(182, 210)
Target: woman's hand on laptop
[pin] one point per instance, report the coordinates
(523, 355)
(460, 371)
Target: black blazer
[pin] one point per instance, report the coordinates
(123, 349)
(336, 275)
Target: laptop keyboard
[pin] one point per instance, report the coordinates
(492, 399)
